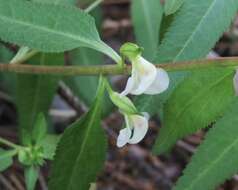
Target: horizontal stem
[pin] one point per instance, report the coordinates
(115, 69)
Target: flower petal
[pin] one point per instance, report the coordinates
(235, 82)
(140, 126)
(130, 85)
(160, 84)
(143, 75)
(123, 137)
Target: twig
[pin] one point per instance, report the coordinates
(17, 182)
(42, 181)
(6, 183)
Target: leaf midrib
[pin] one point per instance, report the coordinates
(45, 29)
(173, 130)
(195, 30)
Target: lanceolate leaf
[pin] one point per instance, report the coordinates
(61, 28)
(146, 17)
(171, 6)
(216, 158)
(81, 151)
(199, 100)
(35, 93)
(192, 34)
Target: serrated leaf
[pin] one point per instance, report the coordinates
(81, 151)
(197, 101)
(35, 93)
(193, 32)
(146, 17)
(31, 176)
(49, 144)
(6, 158)
(171, 6)
(216, 159)
(61, 28)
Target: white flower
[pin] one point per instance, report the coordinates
(136, 129)
(146, 78)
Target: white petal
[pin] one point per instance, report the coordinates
(235, 82)
(144, 75)
(140, 126)
(123, 137)
(160, 84)
(130, 85)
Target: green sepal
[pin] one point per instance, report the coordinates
(130, 51)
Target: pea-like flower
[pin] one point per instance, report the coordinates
(145, 77)
(135, 130)
(136, 123)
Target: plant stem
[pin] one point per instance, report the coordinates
(93, 5)
(231, 62)
(8, 143)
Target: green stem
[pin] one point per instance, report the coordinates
(231, 62)
(93, 5)
(8, 143)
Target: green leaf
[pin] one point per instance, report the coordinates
(40, 128)
(35, 93)
(199, 100)
(7, 80)
(31, 176)
(192, 34)
(146, 17)
(49, 144)
(216, 159)
(81, 151)
(171, 6)
(65, 28)
(6, 158)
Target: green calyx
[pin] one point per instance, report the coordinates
(130, 51)
(124, 104)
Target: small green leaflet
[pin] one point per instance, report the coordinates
(81, 151)
(146, 17)
(6, 158)
(61, 28)
(31, 176)
(216, 159)
(197, 101)
(49, 144)
(171, 6)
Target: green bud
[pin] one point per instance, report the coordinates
(123, 103)
(130, 50)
